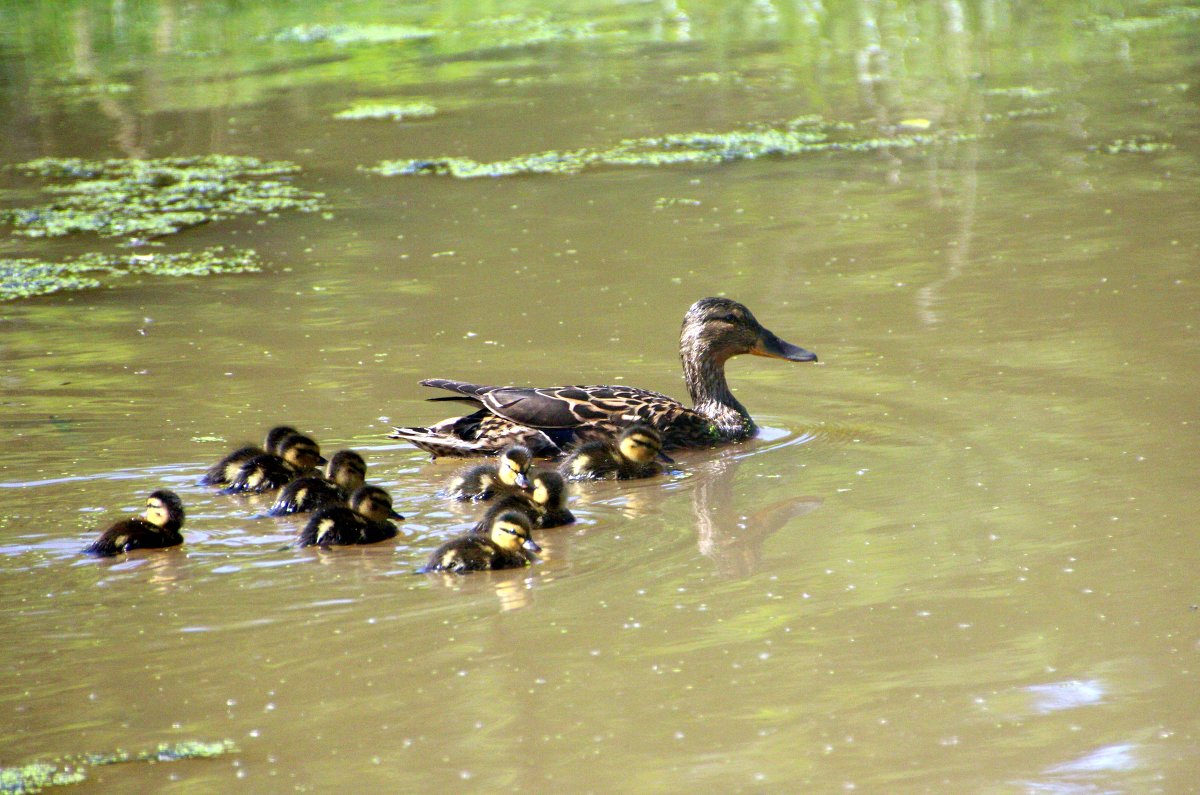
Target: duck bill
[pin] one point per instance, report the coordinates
(772, 347)
(531, 545)
(522, 481)
(395, 514)
(666, 459)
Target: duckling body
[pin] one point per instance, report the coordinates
(298, 454)
(549, 419)
(345, 472)
(633, 456)
(507, 544)
(157, 527)
(225, 470)
(363, 521)
(485, 481)
(545, 503)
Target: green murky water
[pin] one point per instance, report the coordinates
(961, 556)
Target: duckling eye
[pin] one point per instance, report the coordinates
(730, 318)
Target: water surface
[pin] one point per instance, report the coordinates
(959, 558)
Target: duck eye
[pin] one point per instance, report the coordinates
(730, 318)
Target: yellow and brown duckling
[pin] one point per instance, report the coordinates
(364, 521)
(509, 475)
(345, 472)
(156, 527)
(297, 456)
(507, 543)
(634, 455)
(549, 419)
(545, 503)
(225, 470)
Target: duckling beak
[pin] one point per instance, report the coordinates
(522, 481)
(666, 459)
(772, 347)
(395, 514)
(322, 459)
(531, 545)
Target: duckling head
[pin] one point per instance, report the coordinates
(640, 443)
(347, 469)
(512, 530)
(164, 509)
(549, 490)
(373, 503)
(513, 466)
(715, 329)
(275, 437)
(301, 451)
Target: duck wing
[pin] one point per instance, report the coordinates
(565, 406)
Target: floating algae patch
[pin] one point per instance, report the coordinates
(390, 111)
(153, 198)
(37, 776)
(801, 136)
(24, 278)
(353, 34)
(1137, 144)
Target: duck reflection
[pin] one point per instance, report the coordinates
(734, 540)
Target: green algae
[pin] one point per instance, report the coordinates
(73, 769)
(27, 277)
(1137, 144)
(153, 198)
(353, 34)
(800, 136)
(389, 111)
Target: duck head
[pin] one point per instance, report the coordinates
(513, 466)
(164, 509)
(373, 503)
(347, 469)
(718, 328)
(511, 530)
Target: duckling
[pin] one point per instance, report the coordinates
(484, 481)
(633, 456)
(345, 472)
(507, 544)
(546, 503)
(364, 521)
(297, 455)
(225, 470)
(156, 527)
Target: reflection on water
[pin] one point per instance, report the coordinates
(730, 526)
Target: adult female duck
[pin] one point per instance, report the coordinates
(548, 420)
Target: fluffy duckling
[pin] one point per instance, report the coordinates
(365, 521)
(546, 503)
(298, 454)
(156, 527)
(506, 544)
(633, 456)
(345, 472)
(483, 481)
(225, 470)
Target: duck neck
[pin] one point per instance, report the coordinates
(704, 372)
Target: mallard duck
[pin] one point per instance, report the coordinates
(364, 521)
(483, 481)
(547, 420)
(633, 456)
(545, 503)
(345, 472)
(225, 470)
(298, 455)
(505, 545)
(157, 526)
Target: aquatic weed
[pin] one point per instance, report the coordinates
(154, 198)
(72, 769)
(391, 111)
(27, 277)
(796, 137)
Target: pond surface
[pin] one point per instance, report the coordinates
(960, 557)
